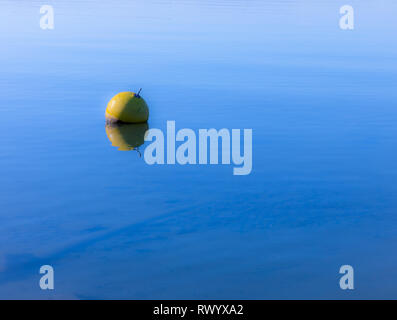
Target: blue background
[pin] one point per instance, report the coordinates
(322, 193)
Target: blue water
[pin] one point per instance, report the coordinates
(321, 102)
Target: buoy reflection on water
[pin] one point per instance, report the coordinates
(126, 136)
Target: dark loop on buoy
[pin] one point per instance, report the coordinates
(137, 94)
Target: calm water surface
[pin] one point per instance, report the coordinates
(322, 192)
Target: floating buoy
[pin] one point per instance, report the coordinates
(127, 107)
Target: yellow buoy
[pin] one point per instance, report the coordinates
(127, 107)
